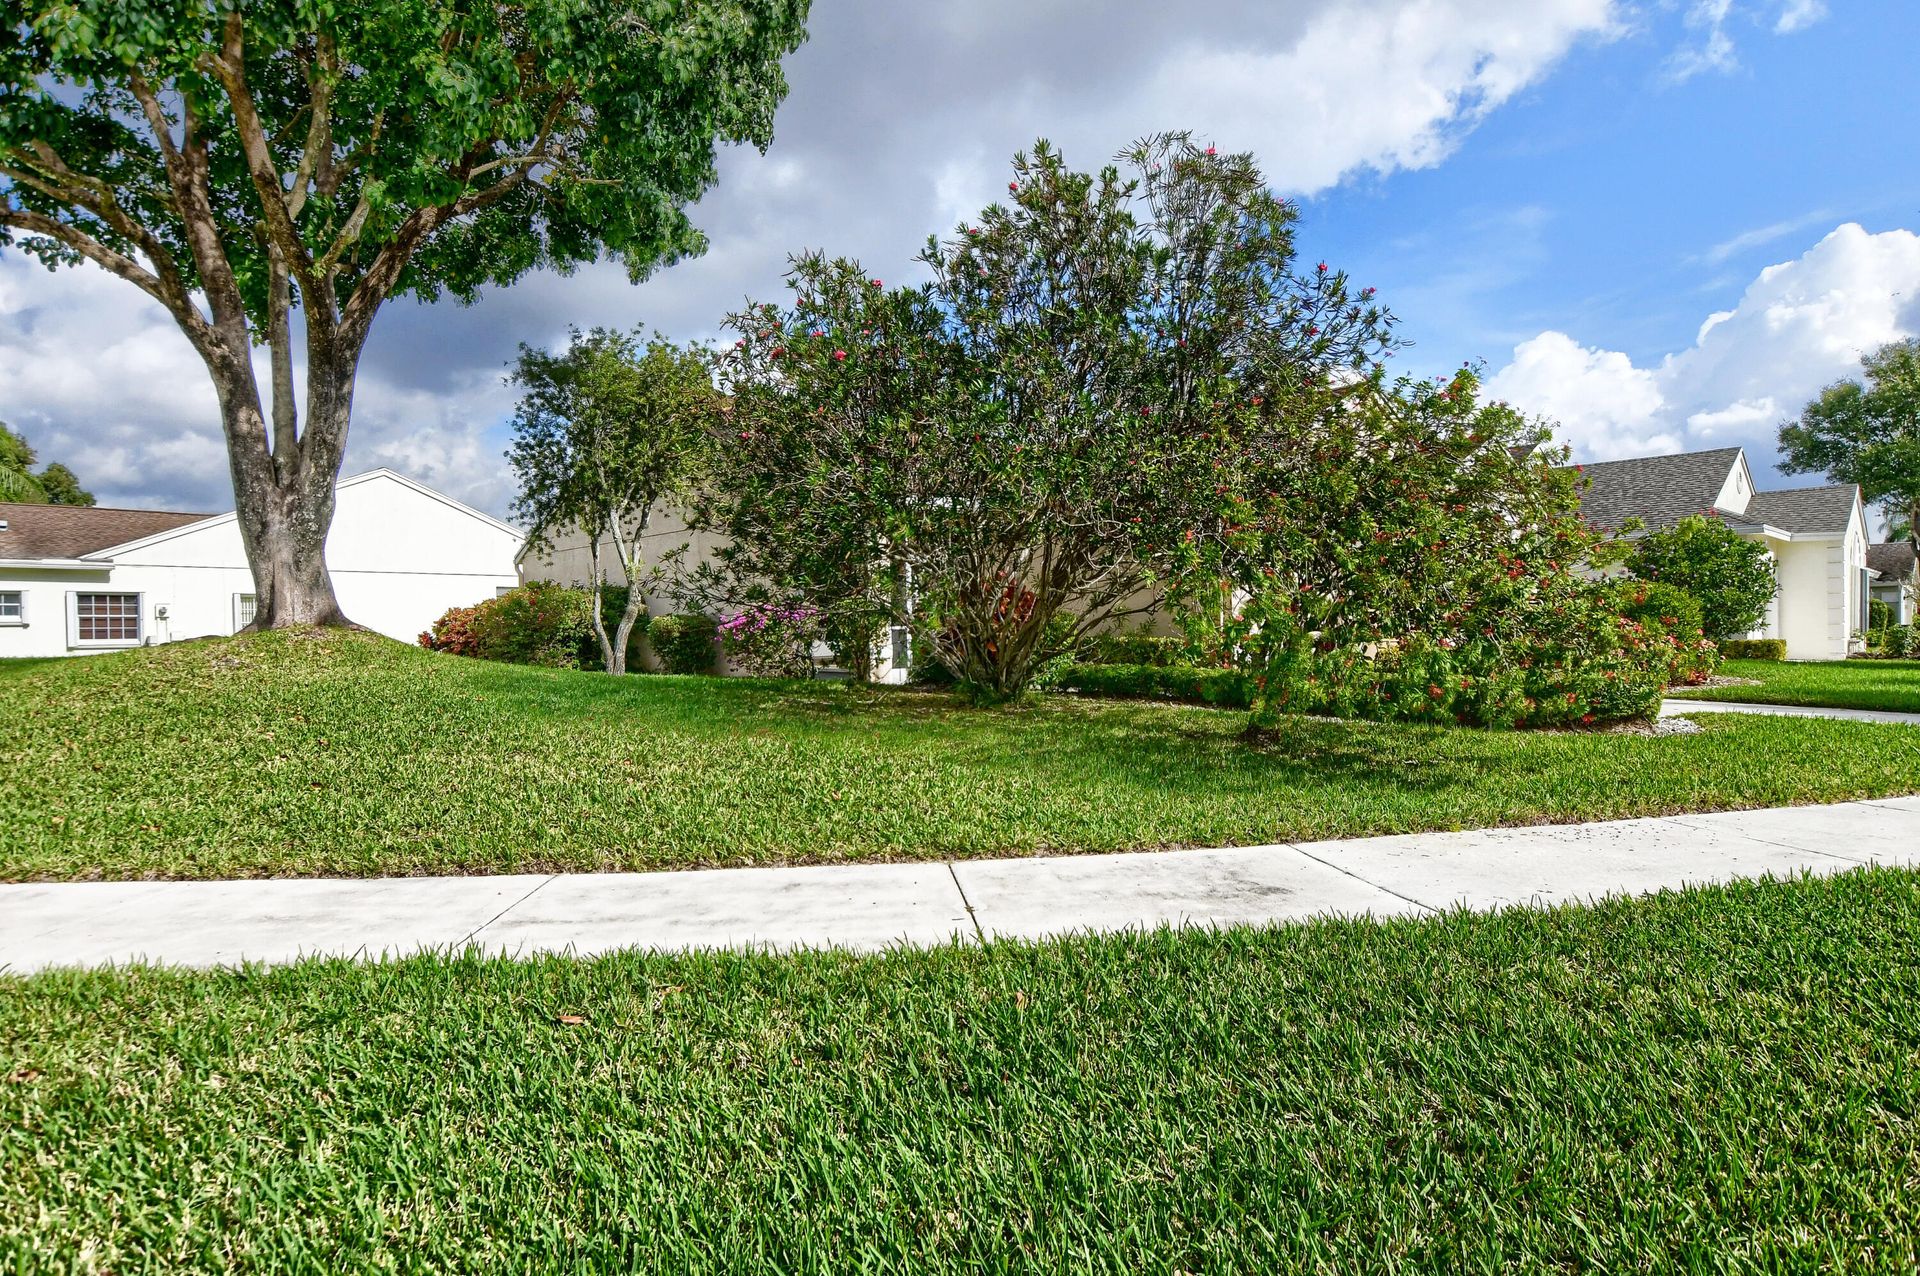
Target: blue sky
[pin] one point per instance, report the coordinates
(1595, 202)
(1661, 223)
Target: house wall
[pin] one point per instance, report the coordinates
(399, 557)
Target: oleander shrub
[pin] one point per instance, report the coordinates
(771, 640)
(684, 642)
(1753, 649)
(1669, 612)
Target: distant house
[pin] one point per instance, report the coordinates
(1816, 536)
(75, 580)
(1895, 579)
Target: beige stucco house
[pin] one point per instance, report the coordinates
(1816, 536)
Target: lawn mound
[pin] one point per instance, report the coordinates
(336, 752)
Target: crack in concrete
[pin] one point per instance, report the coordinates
(979, 932)
(537, 886)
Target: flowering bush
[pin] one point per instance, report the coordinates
(453, 632)
(1671, 616)
(771, 640)
(539, 623)
(1405, 552)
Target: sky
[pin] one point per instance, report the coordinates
(1663, 224)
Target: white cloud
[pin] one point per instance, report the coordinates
(1800, 325)
(1715, 50)
(1797, 15)
(97, 376)
(1597, 396)
(1433, 68)
(1760, 236)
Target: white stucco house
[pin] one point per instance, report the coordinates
(1895, 568)
(75, 580)
(1816, 536)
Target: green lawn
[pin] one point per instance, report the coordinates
(1838, 684)
(350, 754)
(1720, 1079)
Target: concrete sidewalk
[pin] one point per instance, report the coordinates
(873, 906)
(1674, 707)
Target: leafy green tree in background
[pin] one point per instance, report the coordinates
(606, 431)
(1867, 433)
(1730, 576)
(62, 486)
(236, 162)
(54, 485)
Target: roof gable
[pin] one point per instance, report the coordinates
(1894, 561)
(1811, 511)
(74, 531)
(382, 474)
(1658, 490)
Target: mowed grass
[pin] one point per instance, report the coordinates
(345, 753)
(1720, 1079)
(1835, 684)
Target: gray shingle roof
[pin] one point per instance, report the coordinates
(1802, 509)
(1895, 561)
(1659, 490)
(68, 531)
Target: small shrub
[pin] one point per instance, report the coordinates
(453, 632)
(1879, 617)
(1753, 649)
(685, 642)
(1667, 610)
(771, 640)
(1729, 574)
(540, 623)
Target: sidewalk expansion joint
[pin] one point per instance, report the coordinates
(1386, 890)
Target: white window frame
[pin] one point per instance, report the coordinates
(241, 622)
(74, 641)
(19, 621)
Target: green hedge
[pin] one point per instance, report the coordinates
(1229, 688)
(1133, 649)
(1753, 649)
(685, 642)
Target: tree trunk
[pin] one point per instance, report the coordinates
(623, 632)
(284, 505)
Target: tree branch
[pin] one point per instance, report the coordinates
(196, 326)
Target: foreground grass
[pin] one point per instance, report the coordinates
(1718, 1079)
(1835, 684)
(350, 754)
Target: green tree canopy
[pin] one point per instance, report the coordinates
(54, 485)
(237, 161)
(1728, 575)
(1867, 432)
(1022, 444)
(607, 430)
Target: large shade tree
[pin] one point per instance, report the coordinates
(1867, 432)
(273, 172)
(1022, 444)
